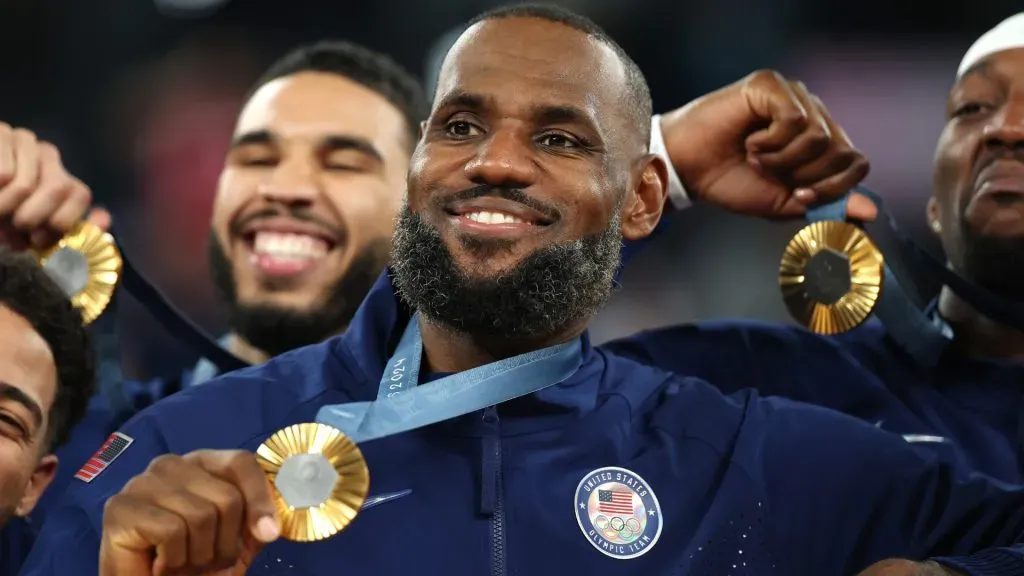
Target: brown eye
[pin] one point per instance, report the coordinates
(558, 141)
(461, 129)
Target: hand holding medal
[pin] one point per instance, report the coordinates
(214, 510)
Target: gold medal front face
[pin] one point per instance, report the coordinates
(87, 265)
(831, 276)
(319, 477)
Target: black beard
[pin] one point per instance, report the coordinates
(275, 329)
(993, 262)
(546, 293)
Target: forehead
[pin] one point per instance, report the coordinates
(530, 60)
(311, 105)
(26, 361)
(1005, 67)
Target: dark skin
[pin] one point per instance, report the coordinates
(557, 133)
(564, 138)
(985, 122)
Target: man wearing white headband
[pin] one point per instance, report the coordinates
(967, 407)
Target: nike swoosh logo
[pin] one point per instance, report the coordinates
(383, 498)
(917, 438)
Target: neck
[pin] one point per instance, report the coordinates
(447, 350)
(978, 335)
(246, 351)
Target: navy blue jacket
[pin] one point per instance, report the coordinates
(711, 484)
(967, 412)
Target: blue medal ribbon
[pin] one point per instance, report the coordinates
(905, 319)
(403, 404)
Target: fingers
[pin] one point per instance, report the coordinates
(134, 530)
(57, 204)
(101, 218)
(803, 147)
(25, 152)
(241, 470)
(187, 513)
(38, 198)
(811, 144)
(770, 98)
(7, 161)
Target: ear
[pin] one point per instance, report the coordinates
(423, 128)
(934, 216)
(645, 201)
(37, 483)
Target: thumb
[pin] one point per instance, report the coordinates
(860, 207)
(100, 218)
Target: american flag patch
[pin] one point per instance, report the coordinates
(615, 502)
(115, 445)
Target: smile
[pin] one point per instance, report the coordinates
(283, 249)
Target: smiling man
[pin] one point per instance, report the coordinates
(46, 378)
(304, 208)
(542, 453)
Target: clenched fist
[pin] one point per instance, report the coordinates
(39, 200)
(764, 146)
(208, 512)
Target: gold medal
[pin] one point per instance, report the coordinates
(87, 265)
(831, 276)
(319, 477)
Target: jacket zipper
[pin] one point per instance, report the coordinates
(492, 498)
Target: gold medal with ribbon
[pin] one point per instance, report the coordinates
(319, 479)
(831, 276)
(87, 265)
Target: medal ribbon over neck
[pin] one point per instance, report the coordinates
(404, 404)
(901, 306)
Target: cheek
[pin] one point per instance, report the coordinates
(234, 189)
(952, 169)
(436, 169)
(367, 208)
(16, 469)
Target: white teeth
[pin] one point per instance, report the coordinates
(286, 245)
(494, 218)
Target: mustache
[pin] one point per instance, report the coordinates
(339, 234)
(512, 194)
(989, 155)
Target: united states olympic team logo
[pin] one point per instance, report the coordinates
(618, 512)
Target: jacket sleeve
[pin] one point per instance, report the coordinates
(992, 562)
(853, 495)
(773, 359)
(69, 541)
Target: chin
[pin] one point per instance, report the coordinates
(291, 301)
(475, 265)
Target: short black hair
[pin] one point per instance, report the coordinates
(28, 291)
(374, 70)
(638, 92)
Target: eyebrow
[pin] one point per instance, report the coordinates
(461, 99)
(542, 114)
(563, 115)
(330, 142)
(13, 393)
(979, 68)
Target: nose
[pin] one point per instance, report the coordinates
(290, 183)
(503, 159)
(1006, 129)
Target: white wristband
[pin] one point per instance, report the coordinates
(676, 192)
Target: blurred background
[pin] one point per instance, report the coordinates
(141, 97)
